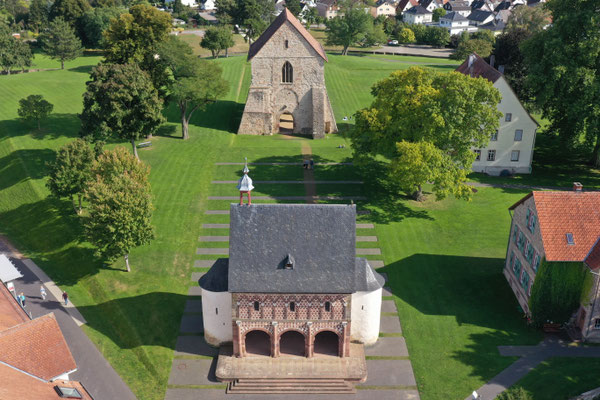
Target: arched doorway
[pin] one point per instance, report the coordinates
(258, 343)
(327, 343)
(286, 123)
(291, 343)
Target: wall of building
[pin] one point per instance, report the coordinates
(269, 97)
(366, 311)
(519, 220)
(591, 307)
(506, 143)
(216, 316)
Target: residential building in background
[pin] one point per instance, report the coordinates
(455, 23)
(461, 7)
(417, 15)
(510, 150)
(405, 5)
(384, 7)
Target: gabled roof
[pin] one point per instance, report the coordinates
(480, 68)
(37, 347)
(320, 237)
(562, 212)
(454, 16)
(479, 15)
(403, 3)
(285, 16)
(457, 5)
(11, 313)
(418, 10)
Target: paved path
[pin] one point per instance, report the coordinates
(309, 176)
(415, 50)
(519, 186)
(531, 357)
(96, 374)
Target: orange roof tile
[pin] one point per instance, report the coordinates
(11, 313)
(565, 212)
(285, 15)
(18, 385)
(37, 347)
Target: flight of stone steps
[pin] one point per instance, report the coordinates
(290, 385)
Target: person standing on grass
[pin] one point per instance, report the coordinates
(43, 292)
(65, 297)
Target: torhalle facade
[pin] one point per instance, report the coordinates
(287, 91)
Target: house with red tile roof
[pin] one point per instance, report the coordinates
(557, 226)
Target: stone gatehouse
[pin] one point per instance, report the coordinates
(287, 93)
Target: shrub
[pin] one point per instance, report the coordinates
(515, 394)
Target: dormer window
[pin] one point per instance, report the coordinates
(288, 262)
(570, 239)
(256, 306)
(327, 306)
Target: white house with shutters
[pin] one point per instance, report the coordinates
(510, 150)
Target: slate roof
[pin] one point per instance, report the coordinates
(457, 6)
(454, 16)
(285, 16)
(480, 69)
(37, 347)
(479, 15)
(215, 280)
(321, 238)
(418, 10)
(494, 25)
(366, 279)
(403, 3)
(565, 212)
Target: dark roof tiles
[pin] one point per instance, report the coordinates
(480, 69)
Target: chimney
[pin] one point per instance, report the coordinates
(501, 69)
(492, 60)
(470, 64)
(577, 187)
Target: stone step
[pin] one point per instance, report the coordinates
(216, 226)
(213, 239)
(366, 238)
(295, 182)
(376, 263)
(364, 251)
(365, 226)
(212, 251)
(285, 386)
(217, 212)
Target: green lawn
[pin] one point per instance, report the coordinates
(444, 259)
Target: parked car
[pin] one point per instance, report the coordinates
(393, 43)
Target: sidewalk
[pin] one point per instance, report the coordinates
(93, 371)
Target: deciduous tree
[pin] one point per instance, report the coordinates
(35, 108)
(69, 10)
(252, 15)
(120, 100)
(71, 171)
(452, 111)
(59, 42)
(437, 13)
(217, 39)
(14, 53)
(120, 205)
(406, 35)
(39, 13)
(350, 28)
(96, 21)
(294, 6)
(564, 72)
(530, 19)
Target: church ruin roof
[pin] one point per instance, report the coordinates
(285, 15)
(321, 238)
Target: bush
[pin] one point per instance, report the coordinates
(406, 35)
(515, 394)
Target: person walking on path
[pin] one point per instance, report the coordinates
(312, 164)
(43, 292)
(65, 297)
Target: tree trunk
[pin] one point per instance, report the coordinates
(184, 120)
(79, 196)
(595, 161)
(345, 51)
(134, 149)
(127, 262)
(418, 194)
(62, 64)
(227, 52)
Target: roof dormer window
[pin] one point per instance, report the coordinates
(288, 262)
(570, 239)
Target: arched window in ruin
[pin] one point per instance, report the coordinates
(287, 73)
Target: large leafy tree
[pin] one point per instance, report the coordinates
(564, 71)
(121, 101)
(508, 54)
(530, 19)
(120, 205)
(14, 53)
(69, 10)
(59, 42)
(196, 82)
(96, 21)
(294, 6)
(35, 108)
(350, 28)
(252, 15)
(71, 171)
(452, 111)
(217, 39)
(39, 13)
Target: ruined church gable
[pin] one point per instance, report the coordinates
(297, 46)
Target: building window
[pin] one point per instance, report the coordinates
(570, 239)
(327, 306)
(521, 241)
(536, 262)
(531, 220)
(597, 323)
(518, 135)
(68, 392)
(508, 117)
(477, 155)
(491, 155)
(511, 259)
(286, 44)
(292, 306)
(256, 306)
(525, 280)
(516, 234)
(217, 311)
(287, 73)
(517, 267)
(514, 155)
(494, 136)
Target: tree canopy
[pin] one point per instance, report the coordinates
(71, 171)
(59, 42)
(564, 72)
(120, 205)
(350, 28)
(452, 111)
(14, 53)
(95, 21)
(294, 6)
(217, 39)
(69, 10)
(35, 108)
(252, 15)
(121, 101)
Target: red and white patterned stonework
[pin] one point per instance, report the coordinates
(275, 317)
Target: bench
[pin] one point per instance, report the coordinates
(144, 144)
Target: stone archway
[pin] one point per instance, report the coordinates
(286, 123)
(257, 343)
(292, 343)
(327, 343)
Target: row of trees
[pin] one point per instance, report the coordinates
(115, 187)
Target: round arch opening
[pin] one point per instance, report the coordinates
(292, 343)
(258, 343)
(327, 343)
(286, 123)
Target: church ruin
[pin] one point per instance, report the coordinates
(287, 93)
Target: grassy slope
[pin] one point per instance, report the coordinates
(445, 271)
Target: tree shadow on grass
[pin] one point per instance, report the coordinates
(168, 131)
(53, 127)
(222, 115)
(85, 69)
(11, 166)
